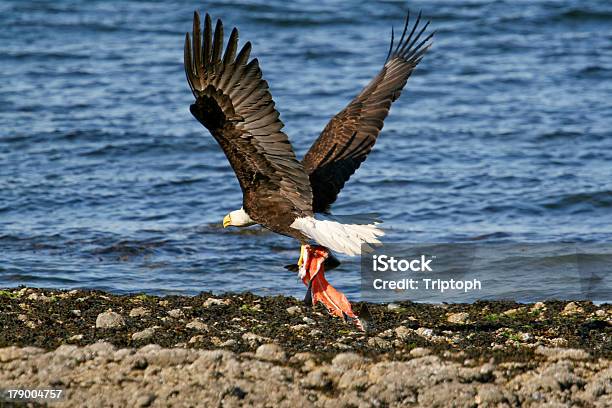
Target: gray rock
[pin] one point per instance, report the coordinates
(197, 325)
(144, 400)
(168, 357)
(348, 360)
(424, 332)
(101, 348)
(513, 312)
(318, 378)
(75, 338)
(571, 309)
(490, 395)
(215, 302)
(196, 339)
(293, 310)
(420, 352)
(10, 353)
(109, 320)
(353, 379)
(254, 340)
(99, 375)
(458, 318)
(379, 343)
(558, 342)
(139, 312)
(228, 343)
(271, 352)
(145, 334)
(402, 332)
(562, 353)
(176, 313)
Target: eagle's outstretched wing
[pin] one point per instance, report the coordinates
(350, 135)
(234, 103)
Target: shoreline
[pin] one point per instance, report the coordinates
(104, 348)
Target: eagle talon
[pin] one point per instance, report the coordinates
(303, 261)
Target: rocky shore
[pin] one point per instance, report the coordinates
(245, 350)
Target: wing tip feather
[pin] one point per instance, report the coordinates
(405, 48)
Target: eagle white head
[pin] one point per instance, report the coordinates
(238, 218)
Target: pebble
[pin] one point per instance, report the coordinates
(379, 342)
(215, 302)
(294, 310)
(512, 312)
(253, 339)
(558, 342)
(393, 306)
(145, 400)
(271, 352)
(109, 320)
(75, 338)
(196, 339)
(144, 334)
(317, 378)
(347, 360)
(342, 346)
(424, 332)
(176, 313)
(402, 332)
(308, 320)
(299, 327)
(420, 352)
(139, 312)
(197, 325)
(489, 395)
(571, 309)
(459, 318)
(76, 312)
(539, 306)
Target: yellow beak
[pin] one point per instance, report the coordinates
(227, 220)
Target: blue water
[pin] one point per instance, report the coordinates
(106, 181)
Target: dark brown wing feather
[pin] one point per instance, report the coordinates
(234, 103)
(350, 135)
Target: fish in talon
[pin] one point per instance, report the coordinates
(320, 290)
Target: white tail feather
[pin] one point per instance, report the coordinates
(345, 237)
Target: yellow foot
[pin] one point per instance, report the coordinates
(303, 261)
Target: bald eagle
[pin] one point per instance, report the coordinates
(281, 193)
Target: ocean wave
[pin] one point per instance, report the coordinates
(580, 201)
(127, 249)
(584, 14)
